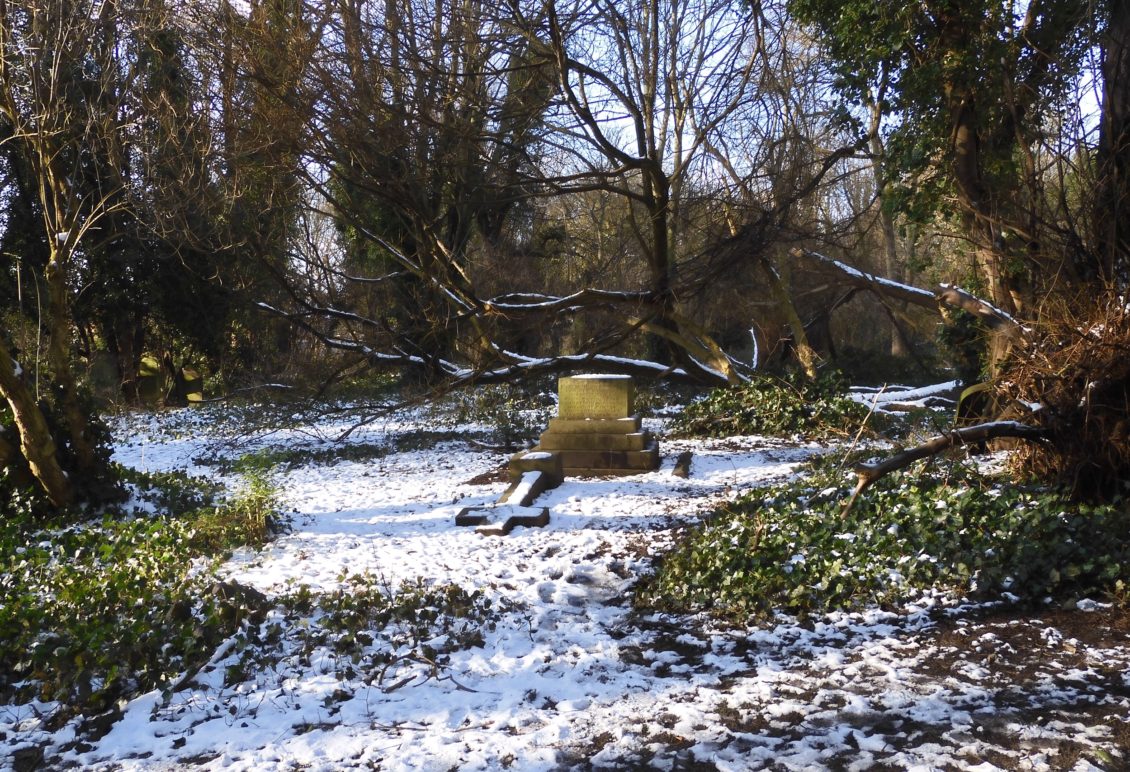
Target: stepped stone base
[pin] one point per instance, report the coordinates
(595, 425)
(615, 442)
(594, 463)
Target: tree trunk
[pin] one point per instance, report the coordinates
(981, 215)
(59, 355)
(125, 338)
(37, 445)
(1112, 204)
(657, 194)
(899, 346)
(805, 354)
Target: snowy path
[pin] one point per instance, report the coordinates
(569, 677)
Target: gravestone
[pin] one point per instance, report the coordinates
(150, 381)
(193, 385)
(596, 431)
(595, 397)
(105, 380)
(531, 474)
(500, 519)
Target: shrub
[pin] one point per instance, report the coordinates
(775, 406)
(788, 548)
(389, 636)
(94, 611)
(512, 414)
(249, 518)
(85, 612)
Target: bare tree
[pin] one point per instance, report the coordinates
(438, 136)
(59, 94)
(648, 92)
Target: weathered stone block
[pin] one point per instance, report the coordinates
(592, 441)
(595, 396)
(537, 460)
(150, 381)
(595, 425)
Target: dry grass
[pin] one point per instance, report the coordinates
(1078, 367)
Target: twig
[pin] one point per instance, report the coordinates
(862, 426)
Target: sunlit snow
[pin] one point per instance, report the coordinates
(571, 677)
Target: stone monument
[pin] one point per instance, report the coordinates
(596, 432)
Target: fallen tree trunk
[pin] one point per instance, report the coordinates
(945, 294)
(868, 474)
(508, 366)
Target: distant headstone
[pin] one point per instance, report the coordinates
(150, 381)
(193, 384)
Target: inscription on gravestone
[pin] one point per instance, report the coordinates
(595, 396)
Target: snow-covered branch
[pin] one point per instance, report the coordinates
(945, 294)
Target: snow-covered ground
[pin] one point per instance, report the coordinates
(568, 675)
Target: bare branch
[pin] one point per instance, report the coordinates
(946, 294)
(868, 474)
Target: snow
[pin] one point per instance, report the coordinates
(525, 485)
(570, 676)
(905, 288)
(903, 393)
(996, 310)
(894, 398)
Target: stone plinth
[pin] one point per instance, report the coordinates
(596, 431)
(595, 425)
(536, 460)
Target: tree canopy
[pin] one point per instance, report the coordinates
(464, 192)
